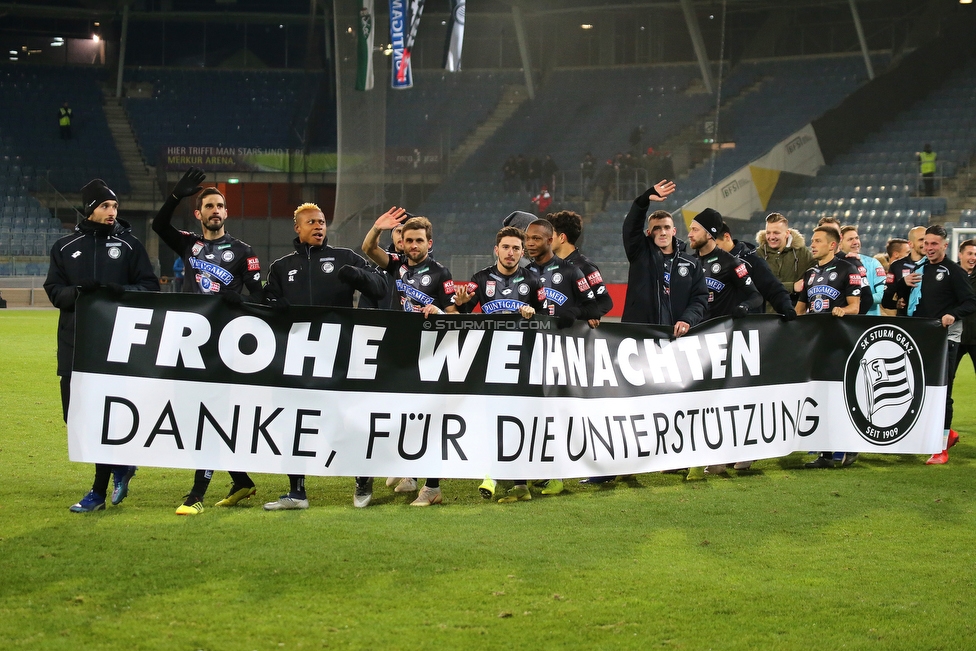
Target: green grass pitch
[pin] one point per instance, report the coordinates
(877, 556)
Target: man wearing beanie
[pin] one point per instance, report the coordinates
(730, 288)
(731, 291)
(101, 252)
(215, 264)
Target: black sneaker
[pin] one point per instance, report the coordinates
(820, 462)
(848, 459)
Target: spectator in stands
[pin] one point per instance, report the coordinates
(587, 172)
(510, 174)
(542, 201)
(926, 167)
(101, 252)
(522, 171)
(178, 269)
(967, 342)
(783, 250)
(535, 175)
(874, 273)
(635, 139)
(549, 169)
(893, 304)
(220, 265)
(318, 274)
(605, 180)
(665, 285)
(64, 121)
(940, 289)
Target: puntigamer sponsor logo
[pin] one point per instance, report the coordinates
(884, 384)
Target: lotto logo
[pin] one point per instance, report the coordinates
(741, 271)
(253, 264)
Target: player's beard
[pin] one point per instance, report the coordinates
(212, 227)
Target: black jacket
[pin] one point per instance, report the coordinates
(310, 276)
(769, 286)
(94, 252)
(648, 299)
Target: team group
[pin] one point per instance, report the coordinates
(668, 284)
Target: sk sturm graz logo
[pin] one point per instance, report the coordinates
(884, 384)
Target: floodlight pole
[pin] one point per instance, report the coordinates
(523, 48)
(125, 34)
(860, 37)
(691, 19)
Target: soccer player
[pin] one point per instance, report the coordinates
(866, 298)
(101, 252)
(217, 264)
(900, 268)
(731, 291)
(871, 269)
(318, 274)
(967, 343)
(503, 288)
(567, 295)
(940, 289)
(831, 286)
(567, 227)
(423, 285)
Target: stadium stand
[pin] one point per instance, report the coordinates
(777, 98)
(30, 97)
(875, 184)
(225, 108)
(443, 108)
(26, 227)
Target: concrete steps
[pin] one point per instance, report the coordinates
(511, 99)
(142, 178)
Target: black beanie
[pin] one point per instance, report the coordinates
(711, 220)
(519, 220)
(93, 194)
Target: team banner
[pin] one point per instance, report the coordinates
(364, 47)
(455, 37)
(749, 188)
(404, 21)
(186, 381)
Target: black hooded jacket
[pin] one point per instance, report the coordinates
(103, 253)
(310, 276)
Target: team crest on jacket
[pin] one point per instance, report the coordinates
(328, 267)
(490, 288)
(227, 256)
(884, 384)
(114, 253)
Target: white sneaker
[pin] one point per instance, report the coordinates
(427, 497)
(716, 469)
(743, 465)
(392, 481)
(363, 495)
(406, 485)
(287, 503)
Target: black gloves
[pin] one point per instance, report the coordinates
(279, 305)
(790, 315)
(350, 274)
(232, 299)
(189, 185)
(88, 285)
(115, 289)
(740, 311)
(645, 199)
(567, 318)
